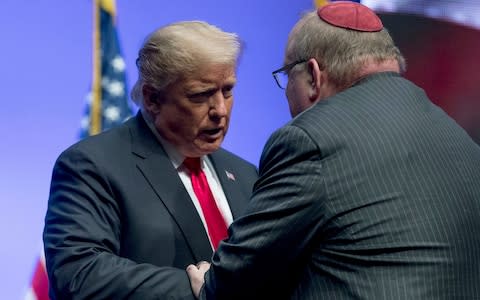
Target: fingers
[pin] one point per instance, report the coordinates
(200, 267)
(201, 263)
(192, 269)
(196, 275)
(203, 266)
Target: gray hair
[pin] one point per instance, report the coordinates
(179, 49)
(339, 51)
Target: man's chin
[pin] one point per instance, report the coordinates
(209, 147)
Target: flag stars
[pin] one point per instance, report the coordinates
(112, 113)
(118, 64)
(89, 98)
(114, 87)
(85, 123)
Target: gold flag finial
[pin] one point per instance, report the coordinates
(108, 5)
(319, 3)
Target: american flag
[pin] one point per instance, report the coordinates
(107, 104)
(230, 175)
(38, 289)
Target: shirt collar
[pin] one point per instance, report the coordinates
(175, 156)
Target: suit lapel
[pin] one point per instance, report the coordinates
(164, 180)
(231, 187)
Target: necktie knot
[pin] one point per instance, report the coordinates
(192, 164)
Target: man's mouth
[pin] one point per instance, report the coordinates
(212, 132)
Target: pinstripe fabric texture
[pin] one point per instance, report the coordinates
(371, 194)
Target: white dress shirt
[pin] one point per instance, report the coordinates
(177, 161)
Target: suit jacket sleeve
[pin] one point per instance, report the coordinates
(82, 241)
(268, 245)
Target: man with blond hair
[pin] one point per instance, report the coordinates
(130, 208)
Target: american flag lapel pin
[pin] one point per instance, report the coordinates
(230, 175)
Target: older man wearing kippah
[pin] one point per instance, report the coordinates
(370, 192)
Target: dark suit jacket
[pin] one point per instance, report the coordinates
(373, 193)
(120, 223)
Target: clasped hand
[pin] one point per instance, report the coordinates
(196, 274)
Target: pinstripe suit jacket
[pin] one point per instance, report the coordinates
(373, 193)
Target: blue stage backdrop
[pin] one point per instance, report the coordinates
(46, 73)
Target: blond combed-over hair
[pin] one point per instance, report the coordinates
(178, 49)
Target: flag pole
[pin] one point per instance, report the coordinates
(95, 115)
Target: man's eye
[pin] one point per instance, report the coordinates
(227, 91)
(201, 95)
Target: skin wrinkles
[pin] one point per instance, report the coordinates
(203, 101)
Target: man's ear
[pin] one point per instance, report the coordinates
(317, 79)
(151, 99)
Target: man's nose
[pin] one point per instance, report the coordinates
(218, 107)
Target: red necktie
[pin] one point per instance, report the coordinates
(217, 228)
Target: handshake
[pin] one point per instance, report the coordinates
(196, 275)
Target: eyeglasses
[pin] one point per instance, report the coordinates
(281, 75)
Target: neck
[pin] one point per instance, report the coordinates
(372, 67)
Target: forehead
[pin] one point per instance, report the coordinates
(203, 79)
(213, 73)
